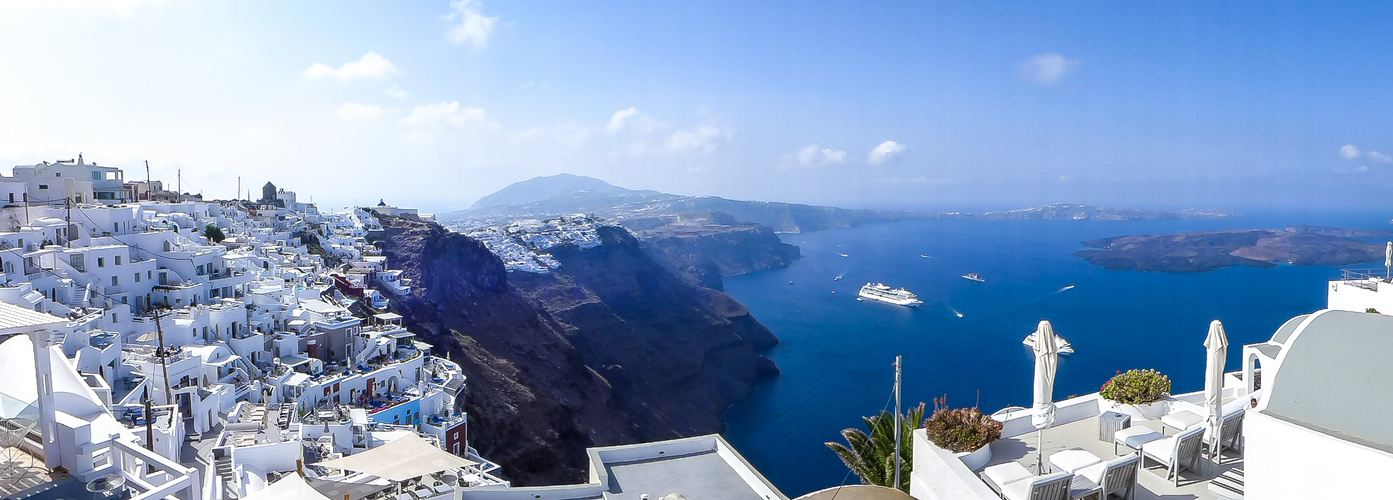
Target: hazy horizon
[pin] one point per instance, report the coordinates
(923, 105)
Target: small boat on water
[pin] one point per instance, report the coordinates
(837, 278)
(925, 256)
(974, 277)
(1064, 346)
(843, 255)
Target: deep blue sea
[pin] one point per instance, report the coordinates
(837, 353)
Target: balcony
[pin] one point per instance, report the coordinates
(940, 474)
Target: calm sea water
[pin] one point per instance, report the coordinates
(837, 353)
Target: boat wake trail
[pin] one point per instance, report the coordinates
(955, 310)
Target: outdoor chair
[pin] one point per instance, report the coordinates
(1116, 477)
(1230, 432)
(1014, 482)
(1181, 421)
(1176, 452)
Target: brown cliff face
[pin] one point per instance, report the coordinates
(611, 349)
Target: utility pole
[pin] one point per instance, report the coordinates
(149, 188)
(179, 181)
(164, 357)
(897, 422)
(239, 186)
(67, 227)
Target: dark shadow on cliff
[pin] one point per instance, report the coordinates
(610, 349)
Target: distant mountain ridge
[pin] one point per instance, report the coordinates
(560, 188)
(550, 196)
(562, 194)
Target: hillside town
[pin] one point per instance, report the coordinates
(524, 245)
(154, 344)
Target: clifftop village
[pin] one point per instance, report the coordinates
(154, 344)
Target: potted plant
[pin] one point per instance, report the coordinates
(963, 431)
(1139, 393)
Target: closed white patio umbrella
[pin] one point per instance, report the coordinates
(1046, 363)
(1216, 346)
(1388, 261)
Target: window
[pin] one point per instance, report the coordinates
(115, 281)
(149, 275)
(79, 262)
(137, 277)
(43, 186)
(57, 174)
(116, 228)
(96, 176)
(101, 261)
(118, 260)
(9, 267)
(115, 318)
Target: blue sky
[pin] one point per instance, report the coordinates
(918, 104)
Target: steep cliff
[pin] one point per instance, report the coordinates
(708, 247)
(610, 349)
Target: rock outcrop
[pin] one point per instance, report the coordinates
(1209, 250)
(708, 247)
(610, 349)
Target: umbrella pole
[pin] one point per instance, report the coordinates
(1039, 450)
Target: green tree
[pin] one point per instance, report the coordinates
(214, 233)
(872, 457)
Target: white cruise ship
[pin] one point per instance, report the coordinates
(883, 293)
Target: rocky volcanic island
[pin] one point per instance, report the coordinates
(1201, 251)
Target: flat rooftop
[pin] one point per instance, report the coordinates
(704, 475)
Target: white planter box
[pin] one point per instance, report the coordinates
(1151, 411)
(976, 460)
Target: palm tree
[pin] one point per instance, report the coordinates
(871, 456)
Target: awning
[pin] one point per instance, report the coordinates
(406, 458)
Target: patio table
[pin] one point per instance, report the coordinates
(1110, 422)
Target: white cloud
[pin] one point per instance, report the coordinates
(702, 138)
(396, 92)
(471, 26)
(1048, 69)
(632, 119)
(1356, 170)
(370, 65)
(1380, 157)
(814, 155)
(352, 111)
(884, 152)
(1349, 152)
(443, 114)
